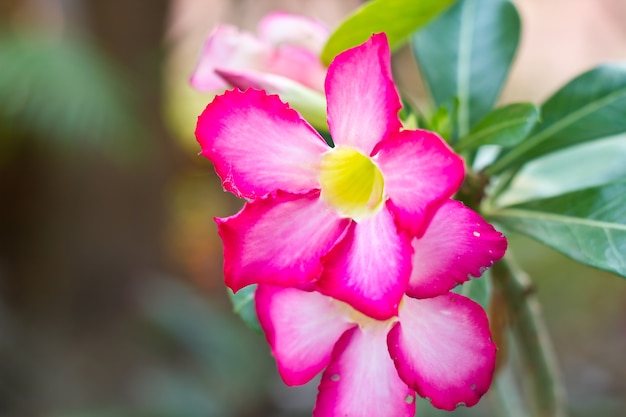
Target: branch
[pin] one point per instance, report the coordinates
(533, 342)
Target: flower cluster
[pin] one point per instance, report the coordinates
(356, 245)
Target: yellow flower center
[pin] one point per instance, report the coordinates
(351, 183)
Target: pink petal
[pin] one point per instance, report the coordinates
(369, 269)
(278, 240)
(309, 103)
(420, 172)
(297, 42)
(298, 64)
(457, 245)
(361, 380)
(363, 103)
(258, 144)
(442, 348)
(227, 47)
(281, 28)
(301, 328)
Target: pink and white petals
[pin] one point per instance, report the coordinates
(361, 380)
(227, 47)
(301, 328)
(311, 104)
(279, 28)
(457, 245)
(442, 348)
(258, 144)
(420, 172)
(278, 240)
(287, 46)
(369, 268)
(299, 65)
(363, 103)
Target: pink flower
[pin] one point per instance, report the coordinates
(440, 347)
(287, 48)
(438, 344)
(344, 220)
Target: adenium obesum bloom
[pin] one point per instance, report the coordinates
(287, 46)
(439, 347)
(282, 59)
(349, 221)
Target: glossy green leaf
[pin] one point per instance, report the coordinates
(243, 305)
(587, 165)
(466, 53)
(591, 106)
(588, 225)
(505, 126)
(397, 18)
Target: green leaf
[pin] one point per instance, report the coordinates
(587, 165)
(591, 106)
(477, 289)
(63, 90)
(587, 225)
(505, 126)
(397, 18)
(243, 305)
(466, 53)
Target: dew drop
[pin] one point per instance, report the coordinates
(477, 234)
(334, 377)
(473, 387)
(409, 399)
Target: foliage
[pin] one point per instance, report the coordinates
(397, 18)
(464, 55)
(62, 89)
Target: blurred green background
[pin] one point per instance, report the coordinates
(111, 295)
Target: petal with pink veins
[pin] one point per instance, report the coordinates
(363, 103)
(361, 380)
(442, 348)
(258, 144)
(370, 267)
(301, 328)
(278, 240)
(420, 172)
(457, 245)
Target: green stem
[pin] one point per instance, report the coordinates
(505, 395)
(534, 345)
(504, 181)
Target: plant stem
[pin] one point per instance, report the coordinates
(531, 336)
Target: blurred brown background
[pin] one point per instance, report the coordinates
(111, 296)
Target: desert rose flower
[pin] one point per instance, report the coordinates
(340, 219)
(283, 58)
(439, 347)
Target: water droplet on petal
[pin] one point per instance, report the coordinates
(473, 387)
(409, 399)
(477, 234)
(334, 377)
